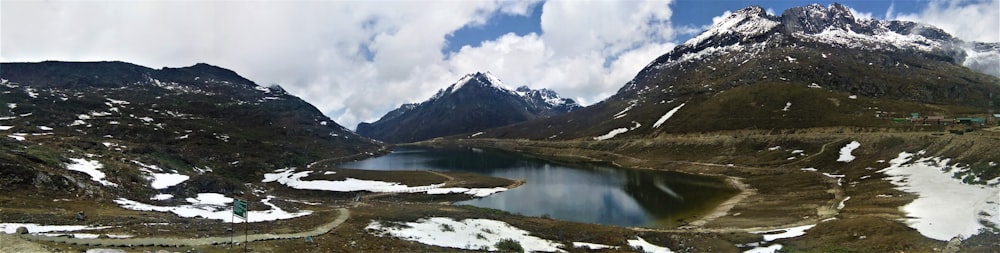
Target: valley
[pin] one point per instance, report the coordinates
(815, 130)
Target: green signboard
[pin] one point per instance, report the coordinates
(240, 208)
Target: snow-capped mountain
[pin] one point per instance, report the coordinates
(475, 102)
(813, 66)
(752, 30)
(204, 124)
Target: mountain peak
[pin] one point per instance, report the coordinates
(744, 24)
(478, 79)
(815, 18)
(475, 102)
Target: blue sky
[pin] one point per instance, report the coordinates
(357, 60)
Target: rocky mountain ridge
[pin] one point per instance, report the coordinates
(201, 122)
(475, 102)
(813, 66)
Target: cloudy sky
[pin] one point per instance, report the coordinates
(356, 60)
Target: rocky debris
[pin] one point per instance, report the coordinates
(80, 216)
(954, 245)
(21, 230)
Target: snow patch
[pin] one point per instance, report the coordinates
(945, 207)
(592, 246)
(162, 197)
(772, 235)
(290, 178)
(166, 180)
(642, 244)
(841, 205)
(769, 249)
(788, 105)
(478, 192)
(91, 167)
(213, 206)
(10, 228)
(468, 234)
(616, 132)
(845, 152)
(666, 116)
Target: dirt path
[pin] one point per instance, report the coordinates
(13, 243)
(821, 150)
(176, 242)
(723, 208)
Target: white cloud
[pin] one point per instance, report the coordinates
(354, 60)
(861, 15)
(969, 20)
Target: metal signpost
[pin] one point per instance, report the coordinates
(239, 209)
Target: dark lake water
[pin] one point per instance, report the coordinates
(575, 192)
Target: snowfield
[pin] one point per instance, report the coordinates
(213, 206)
(945, 207)
(468, 234)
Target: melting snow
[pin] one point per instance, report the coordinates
(617, 131)
(769, 249)
(213, 206)
(468, 234)
(770, 235)
(162, 197)
(290, 178)
(18, 136)
(5, 128)
(624, 112)
(10, 228)
(788, 105)
(842, 205)
(592, 246)
(478, 192)
(667, 115)
(91, 168)
(647, 247)
(118, 102)
(845, 152)
(945, 207)
(166, 180)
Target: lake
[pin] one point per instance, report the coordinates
(574, 192)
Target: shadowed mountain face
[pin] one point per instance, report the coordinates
(476, 102)
(203, 121)
(813, 66)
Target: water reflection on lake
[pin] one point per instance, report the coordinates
(577, 192)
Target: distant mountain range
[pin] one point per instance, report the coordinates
(475, 102)
(813, 66)
(201, 121)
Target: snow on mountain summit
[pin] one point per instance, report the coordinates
(746, 23)
(751, 30)
(475, 102)
(483, 79)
